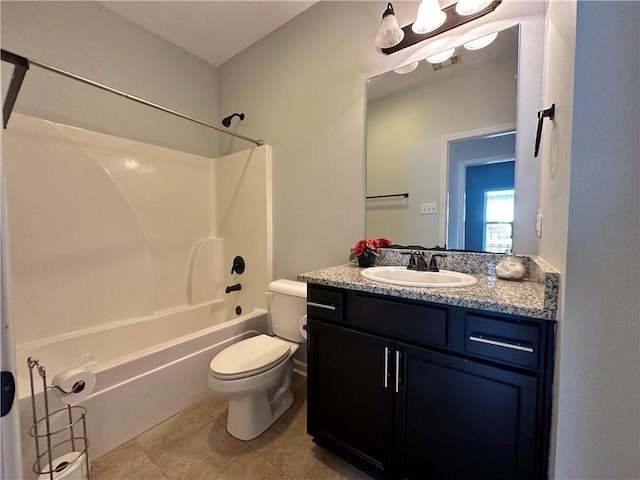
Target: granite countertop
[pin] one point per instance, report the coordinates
(535, 297)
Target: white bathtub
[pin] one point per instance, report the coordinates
(147, 370)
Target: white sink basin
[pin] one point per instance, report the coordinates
(413, 278)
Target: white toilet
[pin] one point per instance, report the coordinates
(256, 373)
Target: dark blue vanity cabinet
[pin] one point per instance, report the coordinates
(414, 390)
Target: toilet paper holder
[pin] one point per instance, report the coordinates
(69, 438)
(76, 388)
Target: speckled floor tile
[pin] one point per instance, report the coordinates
(174, 429)
(217, 407)
(287, 444)
(127, 462)
(201, 456)
(253, 466)
(195, 445)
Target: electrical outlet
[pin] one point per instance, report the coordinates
(428, 208)
(539, 223)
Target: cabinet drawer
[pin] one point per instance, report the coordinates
(512, 342)
(403, 321)
(325, 304)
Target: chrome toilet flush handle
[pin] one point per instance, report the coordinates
(321, 305)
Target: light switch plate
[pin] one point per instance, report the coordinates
(428, 208)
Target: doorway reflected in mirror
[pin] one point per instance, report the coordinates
(481, 173)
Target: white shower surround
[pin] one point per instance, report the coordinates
(104, 229)
(123, 250)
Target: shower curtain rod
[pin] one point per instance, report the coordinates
(22, 64)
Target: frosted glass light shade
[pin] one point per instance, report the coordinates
(481, 42)
(441, 57)
(469, 7)
(406, 68)
(390, 34)
(429, 17)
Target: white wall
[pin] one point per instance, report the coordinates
(303, 90)
(405, 132)
(594, 236)
(555, 152)
(89, 40)
(555, 157)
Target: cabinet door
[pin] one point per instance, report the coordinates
(348, 403)
(464, 420)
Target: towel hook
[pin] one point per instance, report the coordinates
(548, 113)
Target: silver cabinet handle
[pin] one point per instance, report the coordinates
(397, 371)
(497, 343)
(386, 367)
(321, 305)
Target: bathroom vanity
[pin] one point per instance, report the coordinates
(431, 383)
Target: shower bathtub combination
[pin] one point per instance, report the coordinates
(120, 253)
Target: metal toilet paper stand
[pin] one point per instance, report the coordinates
(70, 438)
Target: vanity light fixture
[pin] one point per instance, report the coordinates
(469, 7)
(390, 34)
(452, 19)
(410, 67)
(481, 42)
(441, 57)
(429, 17)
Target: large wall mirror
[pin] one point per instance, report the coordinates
(441, 150)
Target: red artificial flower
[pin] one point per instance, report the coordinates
(383, 242)
(359, 248)
(369, 245)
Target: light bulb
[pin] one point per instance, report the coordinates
(469, 7)
(429, 17)
(406, 68)
(481, 42)
(441, 57)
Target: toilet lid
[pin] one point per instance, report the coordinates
(249, 357)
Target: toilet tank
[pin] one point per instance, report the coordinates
(287, 308)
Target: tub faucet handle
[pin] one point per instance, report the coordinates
(238, 265)
(233, 288)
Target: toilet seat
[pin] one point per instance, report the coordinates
(249, 357)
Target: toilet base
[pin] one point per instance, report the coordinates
(250, 415)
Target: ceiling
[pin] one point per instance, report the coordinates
(212, 30)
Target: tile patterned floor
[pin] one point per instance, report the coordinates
(194, 445)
